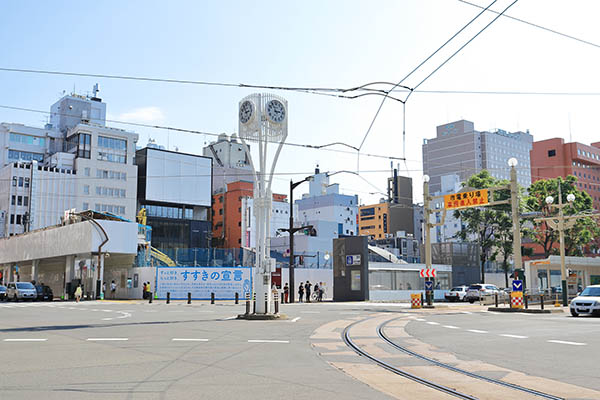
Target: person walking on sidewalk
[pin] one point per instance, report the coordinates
(78, 293)
(145, 291)
(286, 293)
(300, 292)
(307, 286)
(113, 289)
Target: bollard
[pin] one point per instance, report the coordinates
(276, 298)
(542, 300)
(266, 301)
(168, 297)
(150, 297)
(254, 303)
(189, 298)
(247, 303)
(526, 298)
(496, 299)
(212, 298)
(237, 298)
(422, 300)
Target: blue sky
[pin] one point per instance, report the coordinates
(306, 43)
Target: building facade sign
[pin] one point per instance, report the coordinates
(474, 198)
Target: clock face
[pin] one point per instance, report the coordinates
(276, 111)
(246, 111)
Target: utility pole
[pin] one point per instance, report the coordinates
(514, 202)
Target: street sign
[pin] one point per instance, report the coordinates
(474, 198)
(428, 286)
(353, 259)
(517, 286)
(428, 273)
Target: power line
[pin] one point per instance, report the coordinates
(538, 26)
(416, 68)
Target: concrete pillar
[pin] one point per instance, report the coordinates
(68, 273)
(34, 270)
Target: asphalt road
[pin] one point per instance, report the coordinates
(135, 350)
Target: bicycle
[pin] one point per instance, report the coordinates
(315, 295)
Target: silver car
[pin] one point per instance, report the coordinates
(477, 291)
(587, 303)
(20, 291)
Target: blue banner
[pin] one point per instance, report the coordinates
(224, 282)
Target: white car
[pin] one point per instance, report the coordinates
(477, 291)
(21, 291)
(457, 293)
(588, 302)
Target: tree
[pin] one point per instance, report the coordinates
(486, 222)
(584, 232)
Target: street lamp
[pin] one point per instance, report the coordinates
(561, 225)
(427, 227)
(514, 202)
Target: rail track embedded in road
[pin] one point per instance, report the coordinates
(382, 335)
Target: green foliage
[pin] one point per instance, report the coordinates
(584, 232)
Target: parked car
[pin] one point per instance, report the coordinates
(587, 302)
(2, 293)
(476, 291)
(457, 293)
(21, 291)
(44, 293)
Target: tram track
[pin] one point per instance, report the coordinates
(426, 382)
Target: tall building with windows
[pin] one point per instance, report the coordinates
(74, 162)
(552, 158)
(458, 149)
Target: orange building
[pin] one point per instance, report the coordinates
(227, 213)
(373, 220)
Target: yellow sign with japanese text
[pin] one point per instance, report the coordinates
(475, 198)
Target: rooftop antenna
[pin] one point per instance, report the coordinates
(95, 90)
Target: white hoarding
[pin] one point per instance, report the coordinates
(224, 282)
(178, 178)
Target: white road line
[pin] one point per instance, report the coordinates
(420, 319)
(188, 340)
(295, 319)
(476, 331)
(267, 341)
(513, 336)
(466, 312)
(25, 340)
(114, 339)
(451, 327)
(433, 323)
(107, 319)
(228, 318)
(564, 342)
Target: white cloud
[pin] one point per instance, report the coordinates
(142, 115)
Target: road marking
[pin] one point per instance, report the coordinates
(295, 319)
(267, 341)
(107, 319)
(433, 323)
(476, 331)
(420, 319)
(114, 339)
(228, 318)
(513, 336)
(451, 327)
(466, 312)
(25, 340)
(189, 340)
(564, 342)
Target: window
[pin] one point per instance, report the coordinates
(20, 181)
(551, 153)
(123, 176)
(14, 181)
(86, 189)
(220, 211)
(26, 201)
(26, 182)
(86, 206)
(19, 219)
(86, 171)
(12, 218)
(122, 193)
(98, 190)
(19, 200)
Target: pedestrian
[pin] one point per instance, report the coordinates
(300, 292)
(78, 293)
(286, 293)
(145, 291)
(148, 289)
(321, 291)
(307, 286)
(317, 291)
(113, 289)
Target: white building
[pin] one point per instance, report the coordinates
(280, 218)
(230, 162)
(84, 165)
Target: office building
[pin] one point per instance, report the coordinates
(552, 158)
(230, 162)
(458, 149)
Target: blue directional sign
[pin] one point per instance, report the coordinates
(517, 286)
(353, 259)
(429, 285)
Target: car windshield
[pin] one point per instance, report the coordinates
(591, 291)
(457, 289)
(2, 288)
(24, 285)
(475, 287)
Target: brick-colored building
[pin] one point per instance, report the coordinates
(552, 158)
(227, 213)
(373, 220)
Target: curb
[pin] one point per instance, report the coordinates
(527, 311)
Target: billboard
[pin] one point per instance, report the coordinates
(224, 282)
(178, 178)
(474, 198)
